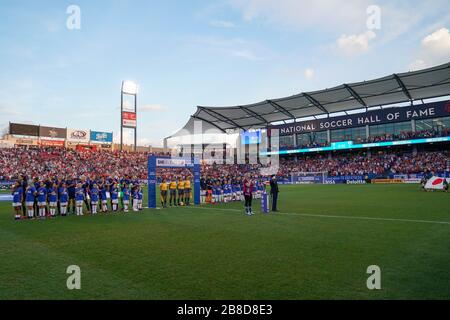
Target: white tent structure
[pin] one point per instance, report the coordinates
(394, 89)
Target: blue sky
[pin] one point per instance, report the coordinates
(198, 52)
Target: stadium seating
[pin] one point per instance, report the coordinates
(50, 162)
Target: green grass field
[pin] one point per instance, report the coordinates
(318, 247)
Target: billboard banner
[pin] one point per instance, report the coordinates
(351, 179)
(77, 135)
(388, 115)
(129, 119)
(174, 163)
(387, 181)
(103, 137)
(52, 143)
(26, 142)
(50, 132)
(23, 129)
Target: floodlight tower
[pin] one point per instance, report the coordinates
(128, 116)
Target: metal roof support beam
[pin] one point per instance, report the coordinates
(221, 117)
(355, 95)
(211, 123)
(254, 114)
(281, 109)
(402, 85)
(316, 103)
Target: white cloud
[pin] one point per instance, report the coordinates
(235, 47)
(222, 24)
(246, 54)
(355, 44)
(8, 111)
(334, 15)
(435, 50)
(152, 108)
(309, 73)
(397, 19)
(418, 64)
(438, 41)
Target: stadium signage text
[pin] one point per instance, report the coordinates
(23, 129)
(430, 110)
(105, 137)
(129, 119)
(168, 162)
(78, 135)
(50, 132)
(52, 143)
(24, 141)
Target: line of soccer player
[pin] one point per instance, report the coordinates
(223, 191)
(177, 190)
(49, 198)
(41, 199)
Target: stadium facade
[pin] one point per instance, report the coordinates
(411, 125)
(407, 112)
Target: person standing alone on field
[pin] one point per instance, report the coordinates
(274, 192)
(248, 195)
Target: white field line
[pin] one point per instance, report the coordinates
(338, 217)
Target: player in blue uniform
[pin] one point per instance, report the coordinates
(216, 192)
(79, 199)
(229, 191)
(126, 197)
(53, 199)
(17, 200)
(135, 198)
(114, 191)
(221, 191)
(85, 184)
(63, 199)
(140, 198)
(94, 194)
(104, 198)
(236, 189)
(42, 199)
(30, 197)
(260, 188)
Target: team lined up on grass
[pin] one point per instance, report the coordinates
(48, 198)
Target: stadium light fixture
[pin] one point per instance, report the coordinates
(129, 87)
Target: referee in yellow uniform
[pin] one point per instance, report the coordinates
(173, 193)
(180, 191)
(163, 189)
(187, 191)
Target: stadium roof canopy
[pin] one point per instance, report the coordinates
(397, 88)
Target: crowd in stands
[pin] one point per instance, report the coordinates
(65, 163)
(378, 164)
(40, 162)
(410, 135)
